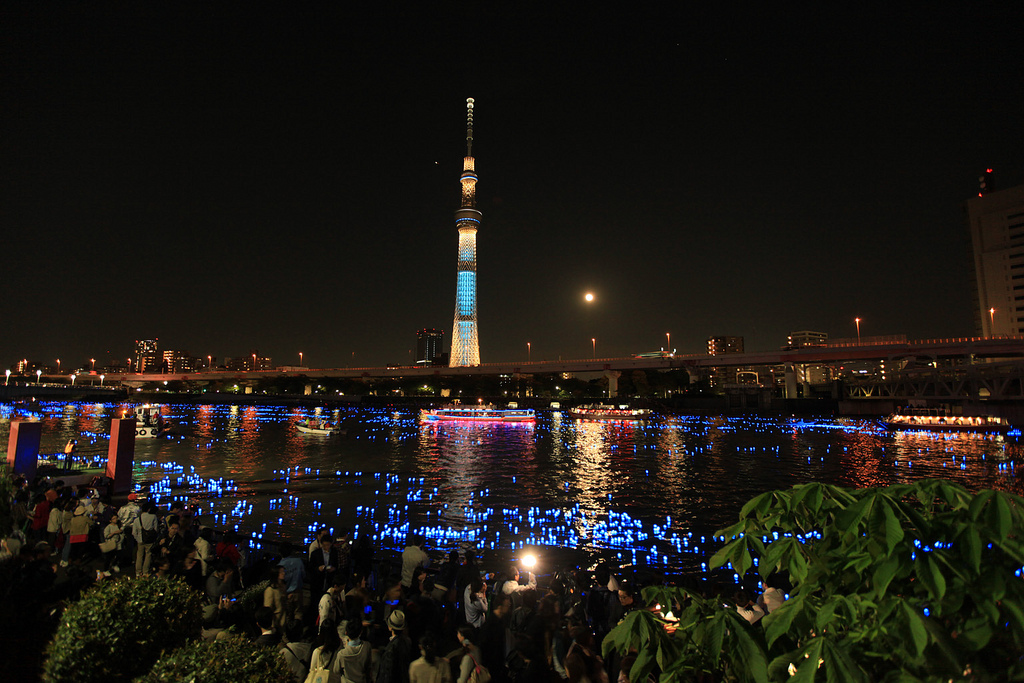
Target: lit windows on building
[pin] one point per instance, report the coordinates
(147, 358)
(178, 362)
(429, 345)
(718, 346)
(805, 338)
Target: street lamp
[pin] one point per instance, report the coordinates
(39, 374)
(101, 379)
(668, 342)
(8, 379)
(93, 361)
(58, 366)
(991, 321)
(857, 320)
(209, 362)
(593, 340)
(254, 362)
(73, 378)
(528, 352)
(300, 359)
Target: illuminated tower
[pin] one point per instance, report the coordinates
(465, 343)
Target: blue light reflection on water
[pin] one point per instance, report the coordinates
(643, 493)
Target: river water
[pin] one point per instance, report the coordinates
(647, 494)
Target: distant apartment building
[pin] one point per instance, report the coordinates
(147, 358)
(249, 363)
(804, 338)
(720, 346)
(996, 224)
(429, 344)
(178, 362)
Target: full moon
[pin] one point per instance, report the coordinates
(589, 296)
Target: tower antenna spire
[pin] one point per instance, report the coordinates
(469, 127)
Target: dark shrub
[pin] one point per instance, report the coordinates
(119, 629)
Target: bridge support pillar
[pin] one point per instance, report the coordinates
(790, 380)
(613, 382)
(121, 454)
(23, 448)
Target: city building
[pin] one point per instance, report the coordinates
(805, 338)
(147, 359)
(996, 223)
(718, 346)
(428, 346)
(465, 339)
(178, 362)
(254, 361)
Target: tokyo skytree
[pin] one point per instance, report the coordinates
(465, 342)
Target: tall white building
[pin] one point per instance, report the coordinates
(996, 222)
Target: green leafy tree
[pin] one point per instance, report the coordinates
(641, 387)
(911, 582)
(222, 661)
(119, 629)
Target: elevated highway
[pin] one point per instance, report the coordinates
(965, 349)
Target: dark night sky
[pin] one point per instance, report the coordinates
(229, 181)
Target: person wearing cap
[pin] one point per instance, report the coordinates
(397, 656)
(78, 534)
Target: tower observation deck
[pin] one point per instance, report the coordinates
(465, 342)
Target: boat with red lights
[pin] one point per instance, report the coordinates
(481, 413)
(938, 420)
(597, 411)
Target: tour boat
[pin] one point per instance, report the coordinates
(149, 422)
(483, 413)
(312, 427)
(596, 411)
(937, 420)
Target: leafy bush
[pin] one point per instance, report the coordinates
(911, 582)
(251, 599)
(229, 661)
(119, 629)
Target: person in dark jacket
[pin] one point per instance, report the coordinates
(494, 637)
(323, 565)
(397, 655)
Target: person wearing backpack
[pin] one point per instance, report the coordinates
(146, 531)
(471, 670)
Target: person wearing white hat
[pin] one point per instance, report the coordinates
(397, 656)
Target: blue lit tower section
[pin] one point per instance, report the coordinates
(465, 342)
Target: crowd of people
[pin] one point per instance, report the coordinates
(337, 604)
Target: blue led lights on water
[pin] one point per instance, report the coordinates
(601, 488)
